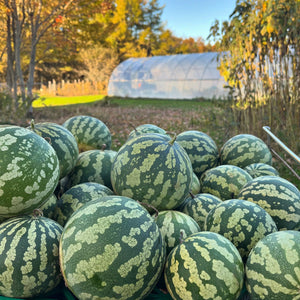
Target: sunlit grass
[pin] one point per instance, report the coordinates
(61, 101)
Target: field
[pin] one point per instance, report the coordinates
(212, 117)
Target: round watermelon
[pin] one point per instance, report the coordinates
(199, 205)
(91, 166)
(279, 197)
(89, 132)
(154, 170)
(175, 226)
(261, 169)
(195, 187)
(205, 265)
(245, 149)
(201, 149)
(29, 171)
(77, 196)
(224, 181)
(244, 223)
(63, 142)
(49, 206)
(272, 269)
(111, 248)
(29, 256)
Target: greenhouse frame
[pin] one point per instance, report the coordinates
(182, 76)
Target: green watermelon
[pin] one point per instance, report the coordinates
(199, 205)
(154, 170)
(49, 206)
(261, 169)
(89, 132)
(63, 142)
(272, 269)
(205, 265)
(29, 171)
(245, 149)
(75, 197)
(91, 166)
(279, 197)
(146, 128)
(29, 256)
(201, 149)
(111, 248)
(224, 181)
(175, 226)
(244, 223)
(195, 187)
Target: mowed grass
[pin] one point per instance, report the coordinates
(61, 101)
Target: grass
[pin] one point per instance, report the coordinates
(61, 101)
(121, 115)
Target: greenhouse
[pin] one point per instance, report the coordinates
(182, 76)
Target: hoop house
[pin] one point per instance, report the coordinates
(183, 76)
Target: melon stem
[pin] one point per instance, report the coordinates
(171, 142)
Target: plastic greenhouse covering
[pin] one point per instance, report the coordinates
(182, 76)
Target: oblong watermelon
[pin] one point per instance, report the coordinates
(205, 265)
(272, 268)
(279, 197)
(29, 256)
(29, 171)
(244, 223)
(111, 249)
(154, 170)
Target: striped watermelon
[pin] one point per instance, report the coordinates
(244, 223)
(146, 128)
(206, 265)
(29, 256)
(245, 149)
(195, 187)
(261, 169)
(89, 132)
(199, 205)
(272, 269)
(201, 149)
(63, 142)
(224, 181)
(49, 206)
(77, 196)
(91, 166)
(154, 170)
(175, 226)
(279, 197)
(111, 248)
(29, 171)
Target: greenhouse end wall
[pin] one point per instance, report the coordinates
(182, 76)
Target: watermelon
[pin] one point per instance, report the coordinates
(63, 142)
(195, 187)
(29, 171)
(272, 268)
(201, 149)
(49, 206)
(29, 256)
(245, 149)
(175, 226)
(75, 197)
(205, 265)
(89, 132)
(261, 169)
(91, 166)
(146, 128)
(199, 205)
(224, 181)
(111, 248)
(244, 223)
(279, 197)
(154, 170)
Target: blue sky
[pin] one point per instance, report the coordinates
(193, 18)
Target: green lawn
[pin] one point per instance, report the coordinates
(60, 101)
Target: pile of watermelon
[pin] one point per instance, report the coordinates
(163, 217)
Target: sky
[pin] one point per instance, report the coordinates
(193, 18)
